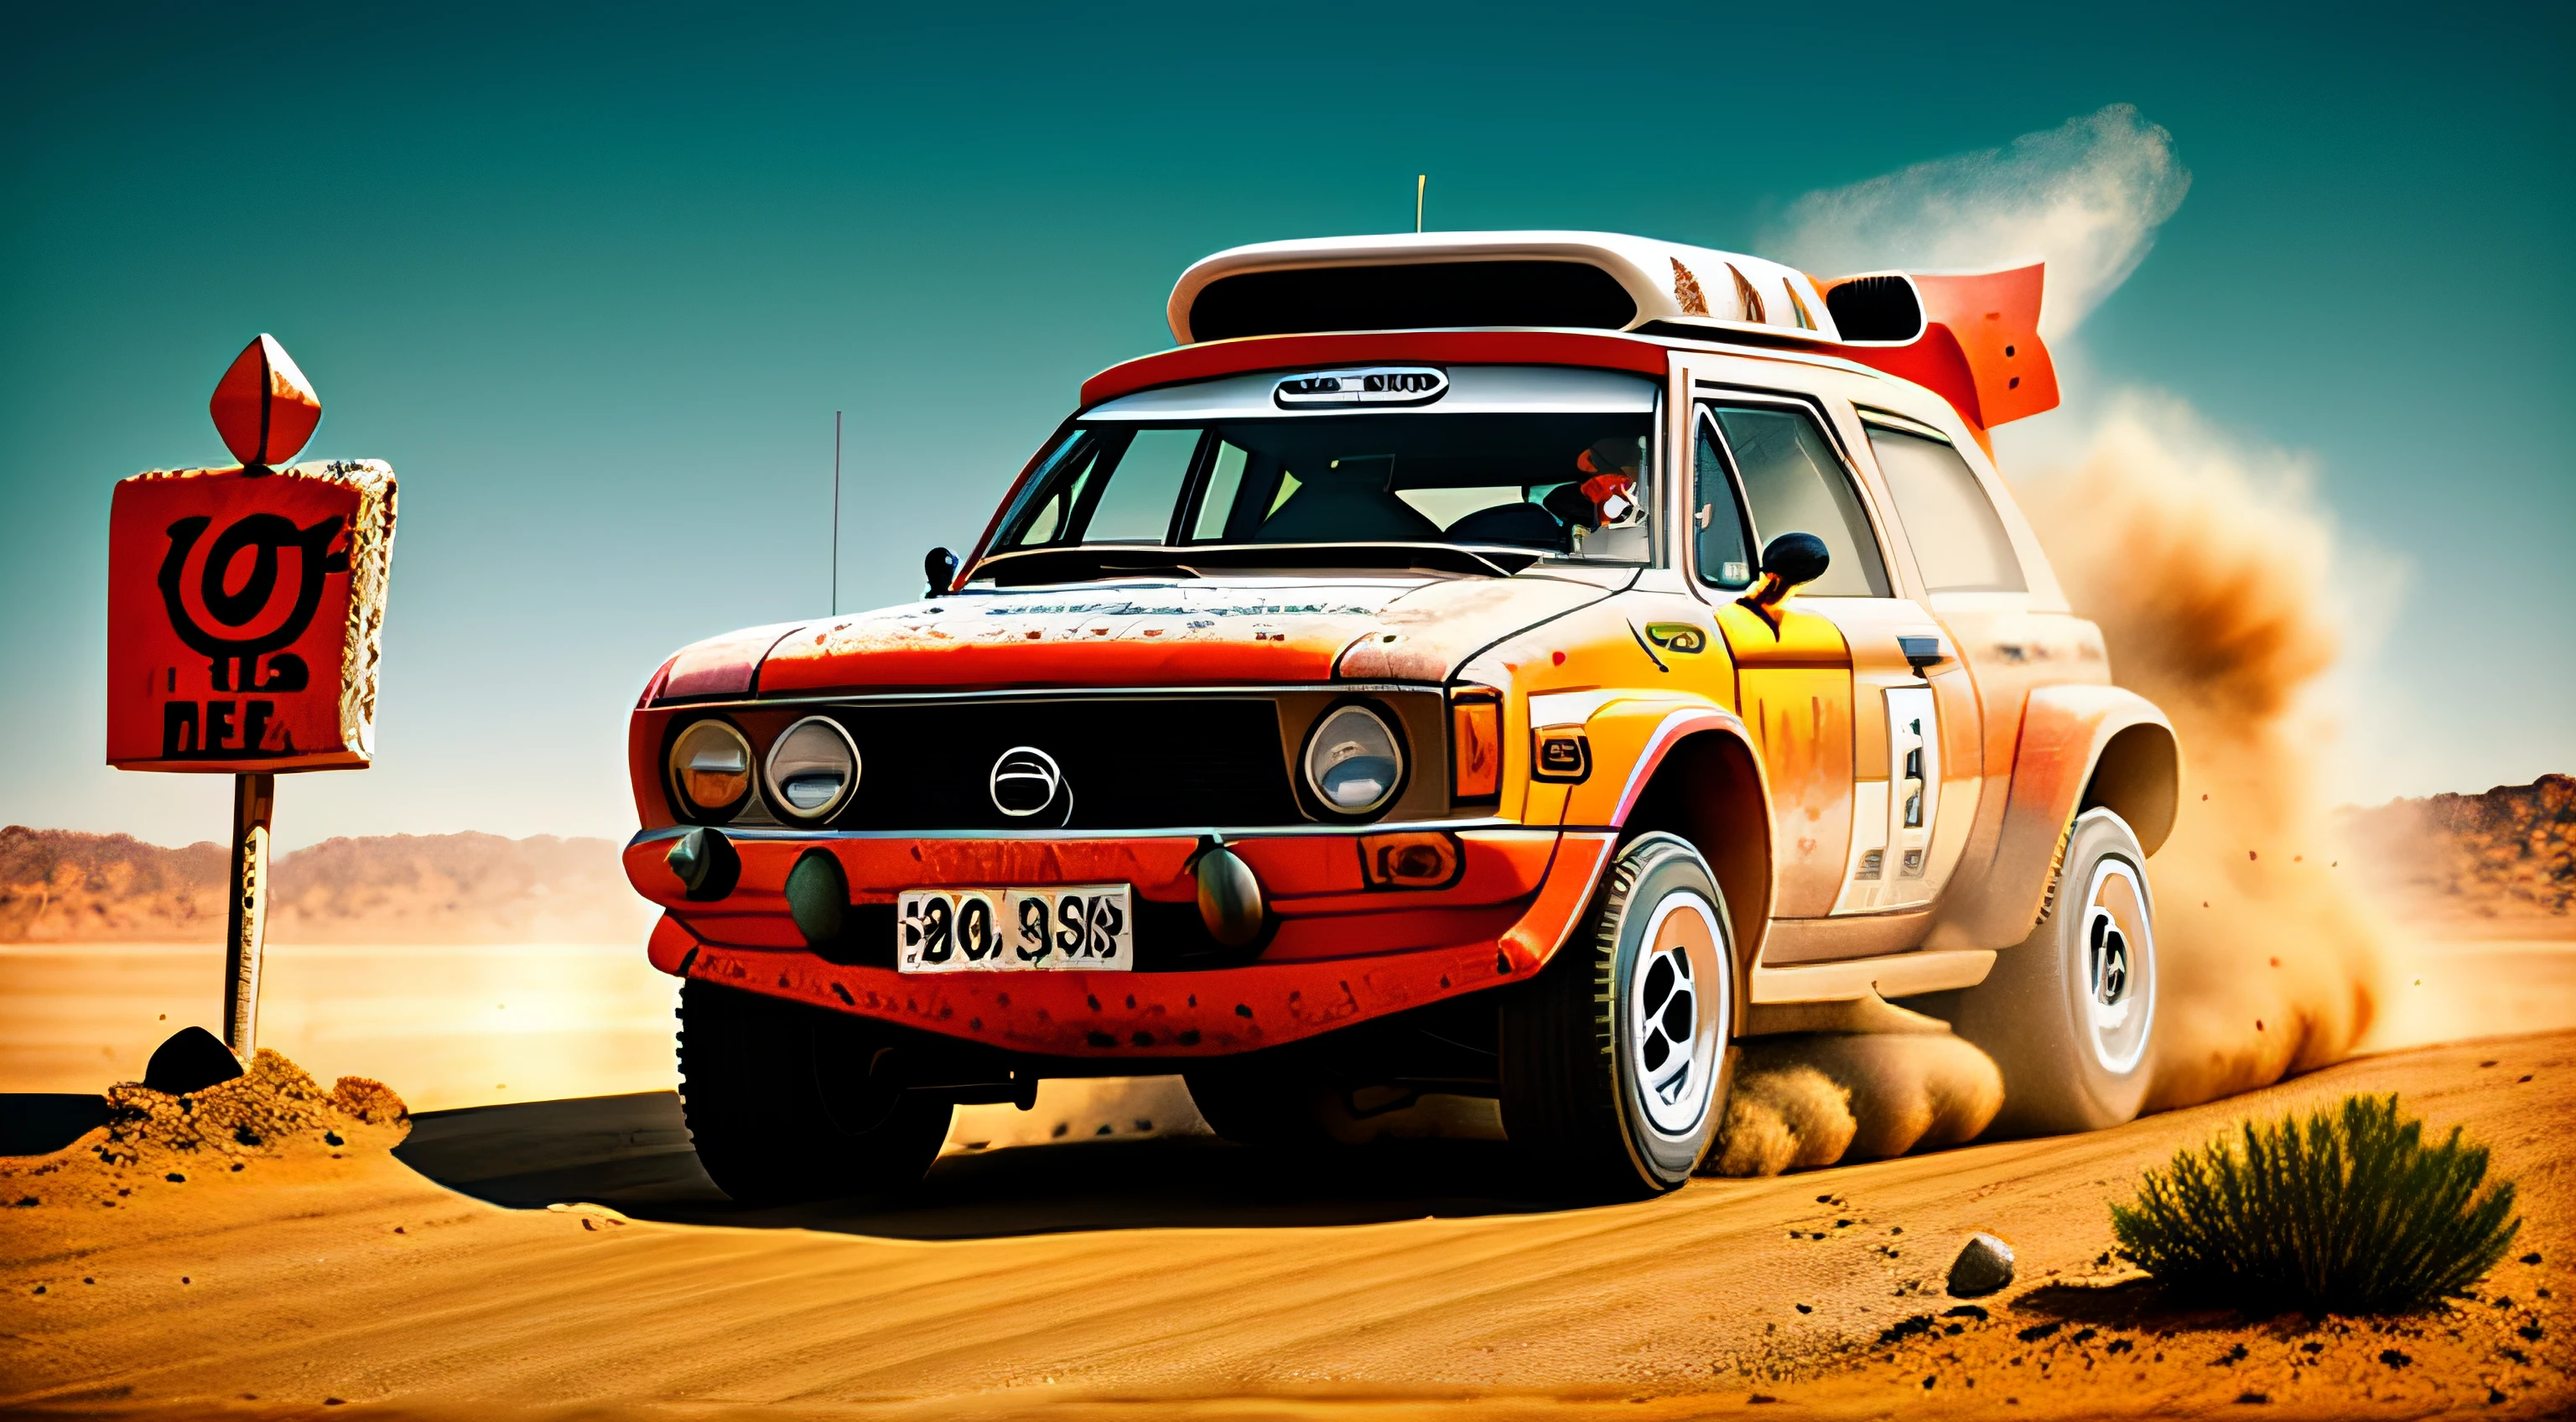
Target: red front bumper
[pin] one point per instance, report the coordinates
(1341, 953)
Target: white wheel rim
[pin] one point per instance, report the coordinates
(1674, 1011)
(2115, 966)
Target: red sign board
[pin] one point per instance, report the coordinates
(244, 612)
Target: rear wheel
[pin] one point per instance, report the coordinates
(2069, 1013)
(788, 1102)
(1615, 1061)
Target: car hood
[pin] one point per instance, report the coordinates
(1217, 632)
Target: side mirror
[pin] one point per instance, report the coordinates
(1789, 562)
(939, 567)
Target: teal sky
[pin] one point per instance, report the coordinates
(595, 280)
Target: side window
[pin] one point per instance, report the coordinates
(1224, 485)
(1958, 541)
(1794, 483)
(1136, 507)
(1723, 549)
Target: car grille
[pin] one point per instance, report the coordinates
(1140, 763)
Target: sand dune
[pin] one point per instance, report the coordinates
(323, 1272)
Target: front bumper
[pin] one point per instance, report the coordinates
(1341, 953)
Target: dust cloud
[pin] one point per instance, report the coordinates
(2213, 579)
(2213, 582)
(1805, 1101)
(2086, 197)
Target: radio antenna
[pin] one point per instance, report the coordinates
(836, 513)
(1420, 181)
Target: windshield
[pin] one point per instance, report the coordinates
(1560, 466)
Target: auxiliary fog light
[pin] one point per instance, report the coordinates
(1418, 859)
(1229, 897)
(1353, 762)
(813, 768)
(711, 770)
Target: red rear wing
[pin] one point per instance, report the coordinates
(1980, 348)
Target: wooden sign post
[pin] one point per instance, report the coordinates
(245, 612)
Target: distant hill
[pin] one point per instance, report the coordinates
(67, 886)
(2509, 853)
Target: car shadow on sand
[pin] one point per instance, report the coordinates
(632, 1153)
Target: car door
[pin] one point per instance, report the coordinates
(1908, 738)
(1793, 674)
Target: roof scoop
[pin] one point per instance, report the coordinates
(1880, 306)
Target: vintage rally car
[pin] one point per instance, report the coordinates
(1466, 686)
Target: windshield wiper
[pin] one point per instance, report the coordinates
(1082, 564)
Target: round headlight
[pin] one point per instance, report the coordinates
(711, 769)
(1353, 761)
(813, 768)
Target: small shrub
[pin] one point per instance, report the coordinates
(2346, 1212)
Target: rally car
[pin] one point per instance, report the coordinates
(1467, 684)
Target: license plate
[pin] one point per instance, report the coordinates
(1076, 927)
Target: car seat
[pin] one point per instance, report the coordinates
(1345, 502)
(1523, 523)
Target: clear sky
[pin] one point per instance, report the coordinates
(595, 280)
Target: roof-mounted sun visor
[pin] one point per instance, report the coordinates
(1470, 280)
(1974, 338)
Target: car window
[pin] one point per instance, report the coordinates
(1794, 483)
(1058, 490)
(1136, 504)
(1523, 462)
(1958, 541)
(1724, 549)
(1224, 482)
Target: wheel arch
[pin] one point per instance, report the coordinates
(2137, 775)
(2080, 748)
(1702, 780)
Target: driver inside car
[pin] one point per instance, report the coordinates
(1608, 493)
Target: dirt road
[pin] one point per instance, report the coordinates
(1184, 1277)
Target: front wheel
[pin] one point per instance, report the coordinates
(2069, 1013)
(1615, 1061)
(788, 1102)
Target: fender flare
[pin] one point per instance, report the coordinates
(2080, 748)
(1725, 812)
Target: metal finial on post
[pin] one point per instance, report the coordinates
(1420, 181)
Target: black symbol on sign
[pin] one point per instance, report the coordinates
(247, 623)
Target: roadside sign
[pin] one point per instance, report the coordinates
(245, 612)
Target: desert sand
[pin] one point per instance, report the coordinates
(1178, 1276)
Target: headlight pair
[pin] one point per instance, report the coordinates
(813, 766)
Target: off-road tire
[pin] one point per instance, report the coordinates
(1580, 1071)
(780, 1100)
(2070, 1060)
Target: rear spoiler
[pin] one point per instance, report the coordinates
(1971, 338)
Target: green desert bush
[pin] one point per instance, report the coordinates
(2346, 1212)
